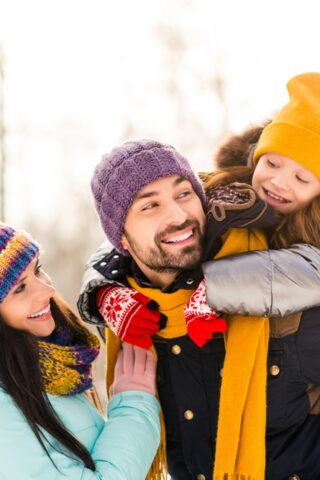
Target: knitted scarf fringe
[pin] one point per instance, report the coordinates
(159, 467)
(234, 476)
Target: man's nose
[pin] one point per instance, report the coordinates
(176, 215)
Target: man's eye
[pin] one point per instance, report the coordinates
(150, 206)
(184, 194)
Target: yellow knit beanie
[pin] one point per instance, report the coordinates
(295, 131)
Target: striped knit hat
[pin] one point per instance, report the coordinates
(17, 250)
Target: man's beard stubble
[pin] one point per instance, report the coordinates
(159, 260)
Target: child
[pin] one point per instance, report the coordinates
(48, 427)
(286, 175)
(284, 171)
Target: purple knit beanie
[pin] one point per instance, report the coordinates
(124, 171)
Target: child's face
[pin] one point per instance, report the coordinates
(284, 183)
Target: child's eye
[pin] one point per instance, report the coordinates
(302, 180)
(270, 163)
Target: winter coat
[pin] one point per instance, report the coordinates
(122, 448)
(292, 387)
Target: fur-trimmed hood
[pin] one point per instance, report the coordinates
(235, 150)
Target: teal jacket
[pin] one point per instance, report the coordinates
(122, 447)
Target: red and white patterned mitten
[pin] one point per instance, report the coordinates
(202, 321)
(130, 315)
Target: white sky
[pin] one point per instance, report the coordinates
(77, 71)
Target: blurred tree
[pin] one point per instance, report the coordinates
(193, 89)
(2, 134)
(68, 237)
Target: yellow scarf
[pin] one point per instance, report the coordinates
(240, 445)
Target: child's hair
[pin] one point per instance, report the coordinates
(20, 377)
(302, 226)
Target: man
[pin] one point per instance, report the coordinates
(153, 209)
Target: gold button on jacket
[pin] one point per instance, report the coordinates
(274, 370)
(176, 349)
(188, 414)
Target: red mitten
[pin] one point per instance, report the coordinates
(202, 321)
(135, 370)
(130, 315)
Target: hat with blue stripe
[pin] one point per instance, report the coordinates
(17, 250)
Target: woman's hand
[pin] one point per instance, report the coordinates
(135, 370)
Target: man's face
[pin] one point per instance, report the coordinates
(164, 227)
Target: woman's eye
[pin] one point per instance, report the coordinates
(20, 288)
(38, 269)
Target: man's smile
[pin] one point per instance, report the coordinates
(180, 238)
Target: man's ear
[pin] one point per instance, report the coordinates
(124, 242)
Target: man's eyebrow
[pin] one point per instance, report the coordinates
(141, 196)
(179, 180)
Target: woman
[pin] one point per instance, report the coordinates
(48, 427)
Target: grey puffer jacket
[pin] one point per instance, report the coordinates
(270, 283)
(281, 281)
(93, 279)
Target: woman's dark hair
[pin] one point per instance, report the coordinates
(21, 378)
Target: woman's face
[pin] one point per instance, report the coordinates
(27, 305)
(284, 183)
